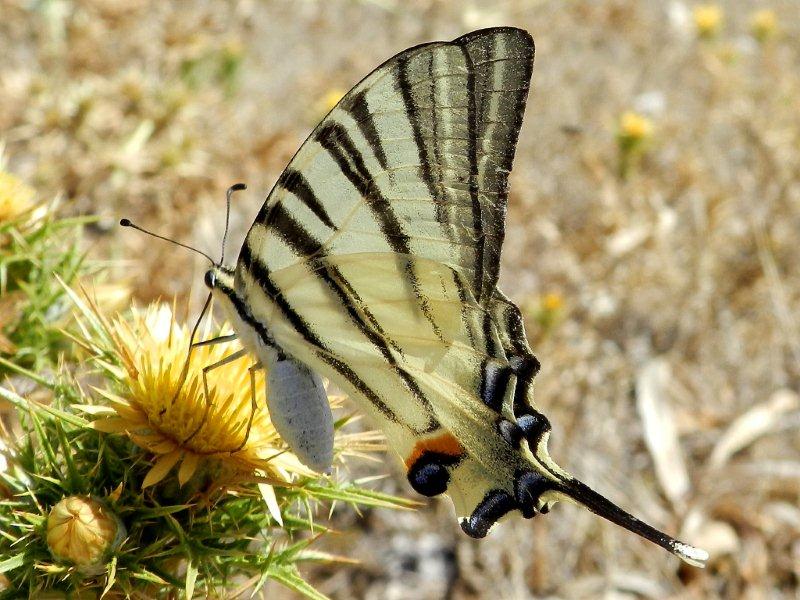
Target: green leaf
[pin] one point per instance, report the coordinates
(191, 577)
(75, 478)
(146, 575)
(12, 563)
(162, 511)
(111, 577)
(355, 495)
(290, 577)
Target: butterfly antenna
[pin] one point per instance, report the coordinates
(128, 223)
(234, 188)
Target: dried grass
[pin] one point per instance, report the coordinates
(150, 110)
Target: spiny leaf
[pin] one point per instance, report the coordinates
(12, 563)
(290, 577)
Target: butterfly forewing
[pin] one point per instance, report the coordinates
(413, 160)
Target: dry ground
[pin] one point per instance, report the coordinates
(680, 285)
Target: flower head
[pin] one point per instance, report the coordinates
(16, 198)
(634, 127)
(81, 530)
(552, 302)
(328, 100)
(161, 402)
(707, 20)
(763, 24)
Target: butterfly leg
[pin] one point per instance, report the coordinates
(217, 340)
(253, 406)
(227, 360)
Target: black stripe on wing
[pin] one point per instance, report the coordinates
(494, 132)
(335, 139)
(358, 108)
(294, 182)
(414, 119)
(472, 148)
(302, 242)
(261, 274)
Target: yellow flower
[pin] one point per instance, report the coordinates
(552, 302)
(329, 100)
(633, 132)
(16, 198)
(707, 20)
(166, 413)
(763, 24)
(634, 127)
(81, 530)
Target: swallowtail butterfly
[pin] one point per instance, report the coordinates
(374, 263)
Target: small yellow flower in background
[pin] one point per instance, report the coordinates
(707, 20)
(164, 415)
(763, 24)
(552, 302)
(547, 310)
(329, 100)
(82, 530)
(633, 133)
(634, 127)
(16, 198)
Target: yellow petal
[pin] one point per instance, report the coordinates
(161, 467)
(188, 467)
(111, 425)
(154, 442)
(94, 409)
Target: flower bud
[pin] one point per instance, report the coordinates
(82, 530)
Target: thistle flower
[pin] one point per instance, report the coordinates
(707, 20)
(163, 412)
(763, 24)
(82, 530)
(16, 198)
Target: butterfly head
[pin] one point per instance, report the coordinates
(219, 279)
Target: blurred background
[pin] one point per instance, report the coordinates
(652, 243)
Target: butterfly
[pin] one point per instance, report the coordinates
(374, 263)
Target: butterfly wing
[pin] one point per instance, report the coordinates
(375, 258)
(413, 160)
(375, 262)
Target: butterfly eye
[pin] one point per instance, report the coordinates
(211, 279)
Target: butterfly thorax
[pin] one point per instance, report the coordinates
(253, 334)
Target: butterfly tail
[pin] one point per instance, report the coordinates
(580, 493)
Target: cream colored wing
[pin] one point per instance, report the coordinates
(413, 160)
(375, 261)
